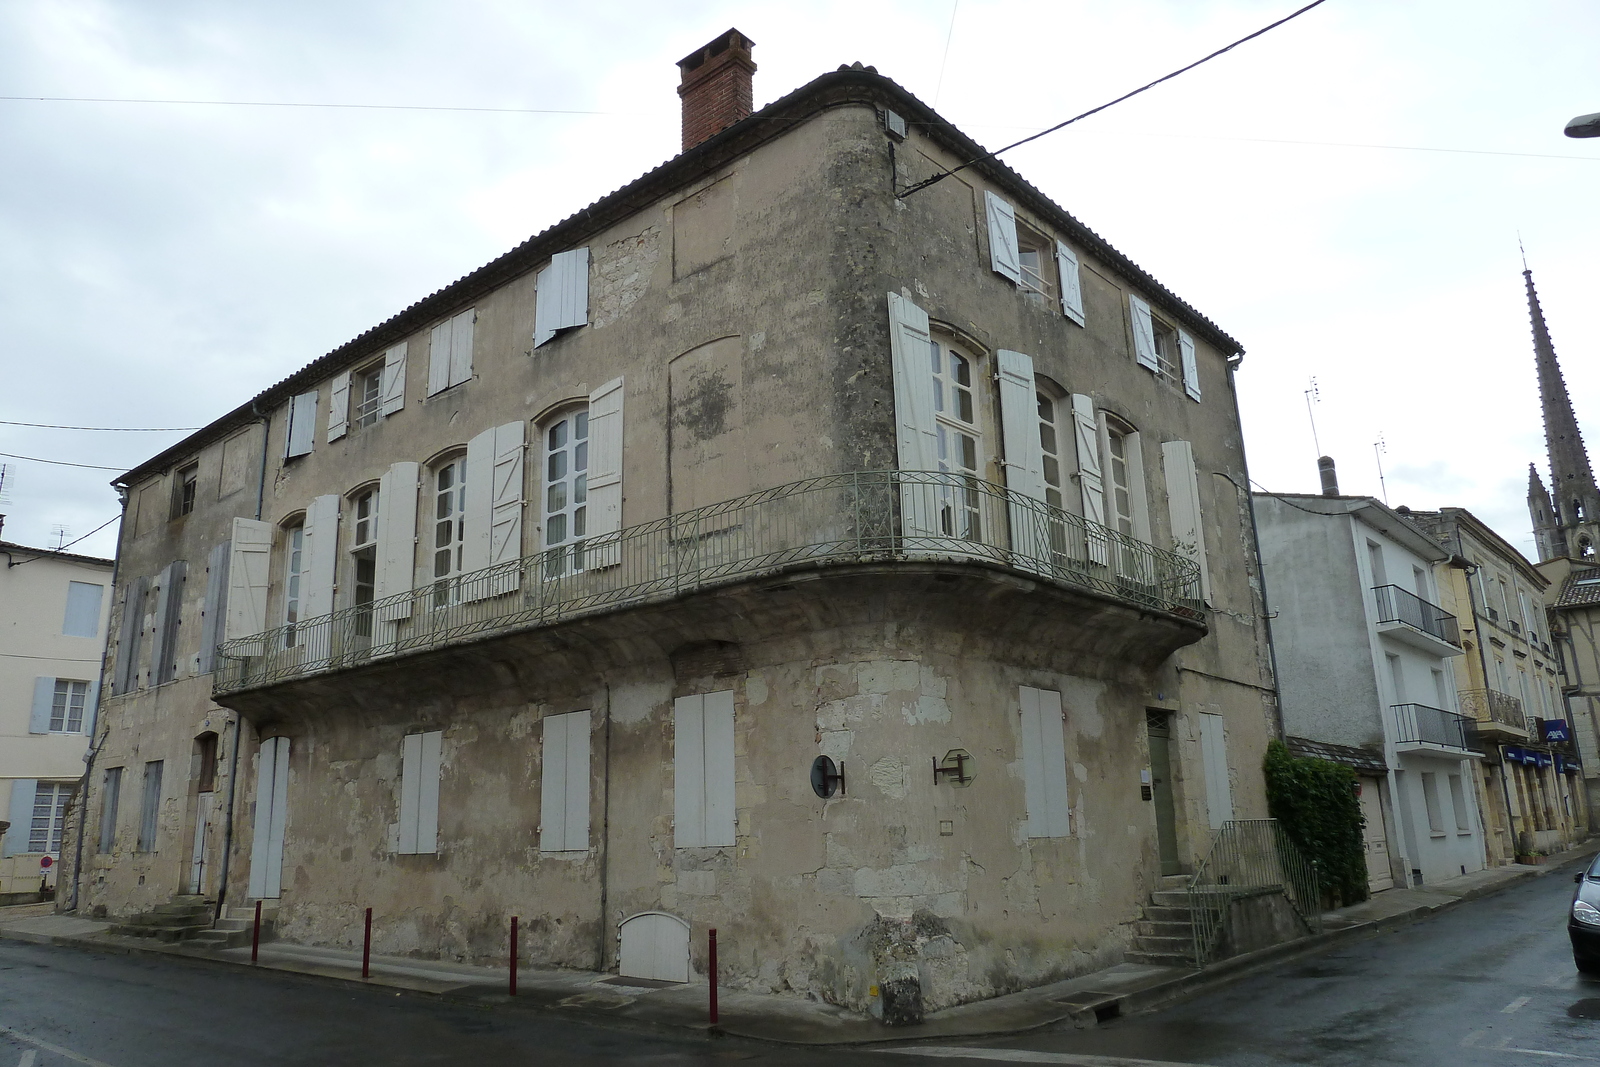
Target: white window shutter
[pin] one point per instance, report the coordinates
(44, 698)
(1003, 252)
(1024, 455)
(1134, 444)
(478, 514)
(272, 790)
(1032, 762)
(320, 557)
(397, 536)
(410, 792)
(392, 385)
(1053, 753)
(301, 433)
(461, 346)
(1214, 755)
(1144, 334)
(909, 347)
(553, 786)
(562, 298)
(577, 782)
(1191, 367)
(249, 574)
(439, 358)
(1071, 283)
(20, 815)
(339, 407)
(688, 772)
(1183, 507)
(605, 475)
(505, 519)
(1091, 485)
(720, 814)
(428, 793)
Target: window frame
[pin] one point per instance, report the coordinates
(150, 807)
(185, 489)
(364, 550)
(111, 800)
(292, 564)
(446, 587)
(365, 411)
(62, 699)
(956, 500)
(575, 454)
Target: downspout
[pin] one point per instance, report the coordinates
(94, 750)
(605, 839)
(238, 719)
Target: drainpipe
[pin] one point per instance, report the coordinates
(94, 750)
(238, 719)
(605, 839)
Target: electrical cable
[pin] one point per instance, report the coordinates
(945, 61)
(62, 462)
(108, 429)
(69, 544)
(1096, 110)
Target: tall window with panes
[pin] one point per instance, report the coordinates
(956, 427)
(294, 561)
(49, 820)
(367, 393)
(1050, 436)
(566, 493)
(364, 561)
(449, 529)
(66, 709)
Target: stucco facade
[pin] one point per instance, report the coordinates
(53, 609)
(854, 489)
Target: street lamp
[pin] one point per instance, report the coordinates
(1584, 126)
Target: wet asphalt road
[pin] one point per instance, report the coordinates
(1491, 982)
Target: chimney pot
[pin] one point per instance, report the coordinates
(1330, 479)
(716, 86)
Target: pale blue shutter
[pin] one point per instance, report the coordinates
(1191, 368)
(300, 434)
(562, 299)
(21, 816)
(393, 381)
(339, 407)
(44, 696)
(214, 606)
(1144, 334)
(1004, 256)
(1071, 283)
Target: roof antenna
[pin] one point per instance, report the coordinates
(1379, 447)
(1313, 395)
(1524, 252)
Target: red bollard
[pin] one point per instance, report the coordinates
(255, 936)
(513, 955)
(366, 948)
(713, 970)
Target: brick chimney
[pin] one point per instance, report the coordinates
(716, 87)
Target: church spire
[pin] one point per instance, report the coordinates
(1572, 487)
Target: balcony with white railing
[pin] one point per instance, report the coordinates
(873, 518)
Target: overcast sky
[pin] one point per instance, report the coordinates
(160, 264)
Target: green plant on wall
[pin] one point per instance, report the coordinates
(1316, 803)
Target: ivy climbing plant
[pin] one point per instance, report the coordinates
(1316, 803)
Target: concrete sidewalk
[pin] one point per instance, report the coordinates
(1082, 1001)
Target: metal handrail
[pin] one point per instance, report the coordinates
(1249, 856)
(1402, 605)
(1491, 705)
(872, 516)
(1421, 724)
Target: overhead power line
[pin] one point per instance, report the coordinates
(107, 429)
(63, 548)
(62, 462)
(1096, 110)
(298, 103)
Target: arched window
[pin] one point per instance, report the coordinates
(1051, 437)
(959, 438)
(1120, 500)
(449, 492)
(566, 491)
(294, 546)
(364, 558)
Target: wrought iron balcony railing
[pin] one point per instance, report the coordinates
(873, 516)
(1420, 724)
(1402, 605)
(1490, 705)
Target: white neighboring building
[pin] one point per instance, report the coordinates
(53, 612)
(1363, 653)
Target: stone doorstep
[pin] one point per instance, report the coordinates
(1084, 1001)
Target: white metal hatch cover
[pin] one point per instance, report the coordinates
(654, 945)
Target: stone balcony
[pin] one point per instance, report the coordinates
(1499, 717)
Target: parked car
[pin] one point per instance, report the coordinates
(1583, 920)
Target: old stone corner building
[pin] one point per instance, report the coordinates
(545, 596)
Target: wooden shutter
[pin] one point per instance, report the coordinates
(1144, 334)
(249, 574)
(461, 346)
(1024, 455)
(1183, 508)
(1003, 253)
(126, 676)
(339, 407)
(703, 790)
(719, 808)
(82, 617)
(1214, 754)
(320, 557)
(1191, 368)
(439, 358)
(564, 787)
(1133, 442)
(169, 610)
(20, 815)
(272, 793)
(1044, 763)
(916, 434)
(604, 516)
(214, 604)
(562, 300)
(1086, 440)
(478, 513)
(419, 793)
(392, 386)
(91, 705)
(505, 517)
(300, 434)
(397, 538)
(1071, 283)
(44, 698)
